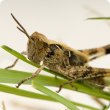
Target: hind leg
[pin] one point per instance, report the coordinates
(96, 52)
(69, 82)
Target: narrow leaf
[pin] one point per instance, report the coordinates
(99, 18)
(13, 76)
(55, 96)
(24, 93)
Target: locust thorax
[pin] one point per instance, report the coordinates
(37, 47)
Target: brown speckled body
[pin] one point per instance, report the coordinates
(63, 59)
(67, 61)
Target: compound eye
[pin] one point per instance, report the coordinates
(32, 38)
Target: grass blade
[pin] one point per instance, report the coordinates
(24, 93)
(13, 76)
(99, 18)
(55, 96)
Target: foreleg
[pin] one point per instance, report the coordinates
(33, 75)
(23, 53)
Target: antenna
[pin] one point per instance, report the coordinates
(22, 28)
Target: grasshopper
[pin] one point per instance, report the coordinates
(63, 59)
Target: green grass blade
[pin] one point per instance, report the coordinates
(12, 76)
(99, 18)
(24, 93)
(55, 96)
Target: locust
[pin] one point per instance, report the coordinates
(59, 57)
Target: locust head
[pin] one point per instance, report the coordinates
(36, 46)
